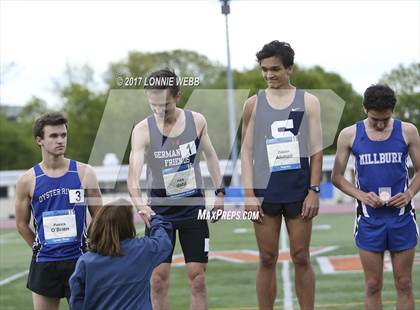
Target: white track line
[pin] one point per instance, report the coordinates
(285, 272)
(325, 265)
(14, 277)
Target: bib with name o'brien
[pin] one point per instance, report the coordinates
(381, 165)
(59, 212)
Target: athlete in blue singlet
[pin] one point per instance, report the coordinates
(385, 216)
(281, 160)
(55, 193)
(170, 142)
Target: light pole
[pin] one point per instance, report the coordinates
(231, 100)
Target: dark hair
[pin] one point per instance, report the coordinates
(168, 80)
(53, 118)
(282, 50)
(379, 98)
(111, 224)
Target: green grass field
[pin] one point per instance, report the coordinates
(230, 285)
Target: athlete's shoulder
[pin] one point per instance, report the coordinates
(310, 98)
(142, 125)
(141, 131)
(350, 130)
(199, 118)
(410, 132)
(84, 168)
(26, 179)
(250, 102)
(87, 175)
(199, 121)
(250, 105)
(312, 105)
(409, 128)
(348, 134)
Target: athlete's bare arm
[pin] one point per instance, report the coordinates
(211, 157)
(208, 150)
(312, 107)
(24, 191)
(248, 127)
(344, 144)
(313, 110)
(140, 140)
(90, 183)
(411, 137)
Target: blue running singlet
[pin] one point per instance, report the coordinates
(379, 165)
(59, 212)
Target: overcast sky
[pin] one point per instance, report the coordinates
(360, 40)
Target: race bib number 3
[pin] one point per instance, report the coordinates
(283, 153)
(59, 226)
(179, 181)
(76, 195)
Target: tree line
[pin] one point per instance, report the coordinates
(84, 104)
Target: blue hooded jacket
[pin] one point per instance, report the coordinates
(121, 282)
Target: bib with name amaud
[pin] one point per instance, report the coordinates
(59, 226)
(179, 181)
(283, 152)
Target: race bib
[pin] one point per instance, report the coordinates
(77, 195)
(283, 153)
(179, 181)
(188, 149)
(59, 226)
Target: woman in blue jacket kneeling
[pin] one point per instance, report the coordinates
(115, 273)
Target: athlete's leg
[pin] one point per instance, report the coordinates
(45, 303)
(300, 237)
(267, 235)
(197, 280)
(160, 286)
(402, 265)
(160, 277)
(373, 267)
(194, 238)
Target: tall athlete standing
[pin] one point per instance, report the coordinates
(170, 142)
(55, 193)
(385, 211)
(281, 162)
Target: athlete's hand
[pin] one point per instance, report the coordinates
(371, 199)
(218, 205)
(252, 204)
(400, 200)
(146, 214)
(310, 206)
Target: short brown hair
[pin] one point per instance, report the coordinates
(111, 224)
(281, 50)
(379, 98)
(163, 74)
(52, 118)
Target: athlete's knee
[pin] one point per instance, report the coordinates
(268, 259)
(300, 258)
(197, 281)
(403, 285)
(160, 283)
(373, 286)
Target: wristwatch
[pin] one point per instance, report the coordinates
(315, 188)
(220, 190)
